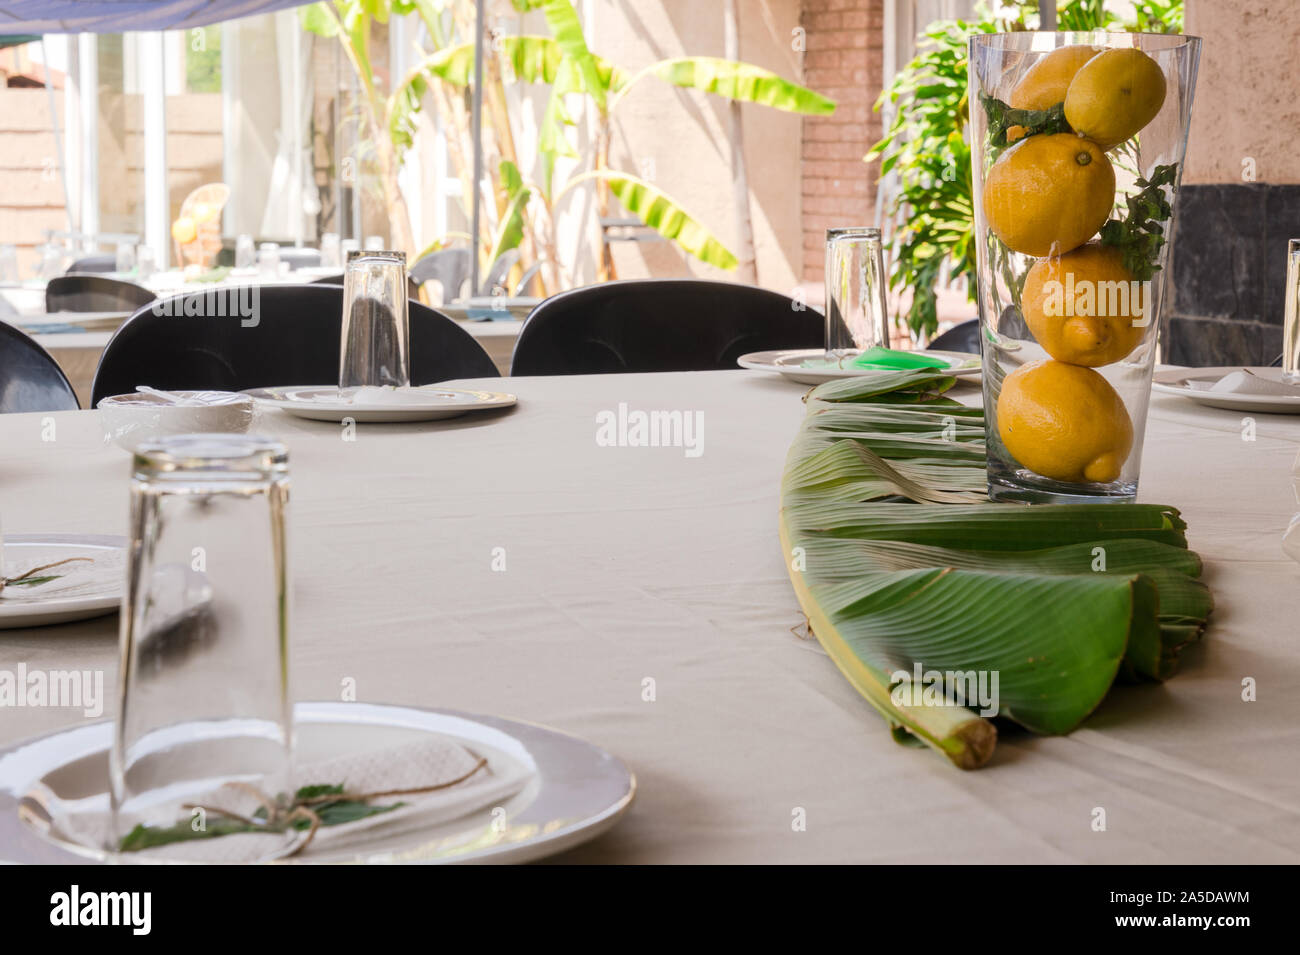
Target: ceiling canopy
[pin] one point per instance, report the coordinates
(121, 16)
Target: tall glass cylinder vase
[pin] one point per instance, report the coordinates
(1076, 159)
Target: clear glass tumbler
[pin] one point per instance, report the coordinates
(245, 252)
(146, 263)
(268, 259)
(1291, 316)
(124, 258)
(857, 316)
(9, 263)
(330, 254)
(203, 696)
(373, 346)
(1077, 145)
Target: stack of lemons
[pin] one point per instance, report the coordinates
(1048, 196)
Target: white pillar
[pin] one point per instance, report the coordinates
(87, 133)
(230, 125)
(153, 90)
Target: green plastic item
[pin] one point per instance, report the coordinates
(888, 358)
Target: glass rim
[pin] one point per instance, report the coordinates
(852, 232)
(211, 452)
(386, 256)
(1012, 40)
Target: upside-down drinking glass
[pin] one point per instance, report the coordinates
(856, 312)
(203, 696)
(1291, 316)
(1076, 159)
(373, 349)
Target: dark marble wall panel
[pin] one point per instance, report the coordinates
(1229, 273)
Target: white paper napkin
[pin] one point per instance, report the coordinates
(374, 395)
(78, 578)
(427, 762)
(1246, 382)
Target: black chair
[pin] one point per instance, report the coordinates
(94, 293)
(659, 325)
(98, 262)
(964, 337)
(235, 338)
(450, 267)
(30, 379)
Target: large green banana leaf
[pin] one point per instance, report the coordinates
(742, 81)
(662, 213)
(510, 231)
(898, 559)
(532, 59)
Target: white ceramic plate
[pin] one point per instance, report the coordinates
(38, 606)
(790, 364)
(322, 403)
(578, 790)
(1193, 383)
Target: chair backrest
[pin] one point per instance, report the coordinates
(449, 266)
(412, 287)
(30, 379)
(498, 273)
(98, 262)
(659, 325)
(94, 293)
(963, 337)
(233, 338)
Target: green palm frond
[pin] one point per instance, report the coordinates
(899, 559)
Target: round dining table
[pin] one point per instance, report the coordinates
(533, 565)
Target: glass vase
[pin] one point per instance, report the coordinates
(1077, 146)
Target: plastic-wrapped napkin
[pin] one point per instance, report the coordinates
(76, 578)
(1246, 382)
(133, 419)
(433, 761)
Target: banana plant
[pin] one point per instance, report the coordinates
(564, 62)
(521, 212)
(389, 119)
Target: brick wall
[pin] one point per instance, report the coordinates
(31, 192)
(843, 58)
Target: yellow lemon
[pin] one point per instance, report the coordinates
(1048, 194)
(1114, 95)
(1084, 307)
(1064, 422)
(1045, 83)
(184, 231)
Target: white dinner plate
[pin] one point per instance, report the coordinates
(577, 791)
(81, 592)
(790, 364)
(1194, 383)
(322, 403)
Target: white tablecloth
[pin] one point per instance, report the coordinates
(631, 564)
